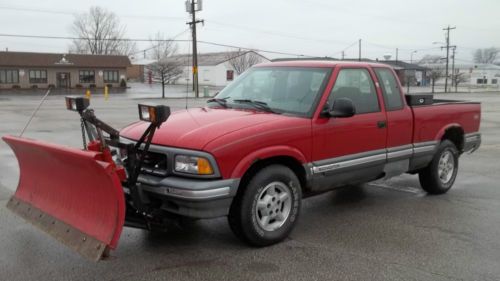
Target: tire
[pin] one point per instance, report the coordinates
(438, 177)
(275, 192)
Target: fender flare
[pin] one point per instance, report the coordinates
(272, 151)
(441, 132)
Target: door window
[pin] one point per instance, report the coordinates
(357, 85)
(390, 89)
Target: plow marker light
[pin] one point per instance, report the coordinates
(156, 114)
(77, 103)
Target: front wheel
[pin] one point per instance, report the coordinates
(267, 209)
(439, 176)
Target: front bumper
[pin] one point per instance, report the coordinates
(196, 198)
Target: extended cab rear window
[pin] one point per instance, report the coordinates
(357, 85)
(390, 89)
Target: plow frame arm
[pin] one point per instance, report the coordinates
(94, 127)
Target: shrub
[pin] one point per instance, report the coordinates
(16, 87)
(78, 86)
(92, 86)
(123, 83)
(34, 86)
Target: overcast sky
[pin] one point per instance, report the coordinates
(309, 27)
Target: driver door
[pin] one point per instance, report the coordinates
(352, 149)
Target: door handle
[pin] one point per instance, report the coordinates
(381, 124)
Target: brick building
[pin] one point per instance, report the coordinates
(43, 70)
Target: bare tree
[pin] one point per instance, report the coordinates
(166, 68)
(242, 60)
(488, 55)
(435, 74)
(457, 78)
(99, 32)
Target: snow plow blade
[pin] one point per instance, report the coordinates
(69, 193)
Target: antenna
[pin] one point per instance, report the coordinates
(34, 112)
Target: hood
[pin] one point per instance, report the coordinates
(196, 127)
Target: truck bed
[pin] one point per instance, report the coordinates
(432, 120)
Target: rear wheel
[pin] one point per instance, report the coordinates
(267, 209)
(439, 176)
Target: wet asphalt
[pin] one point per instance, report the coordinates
(378, 231)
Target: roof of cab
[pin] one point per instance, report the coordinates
(319, 63)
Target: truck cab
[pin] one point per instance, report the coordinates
(287, 130)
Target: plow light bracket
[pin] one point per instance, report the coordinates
(156, 114)
(77, 103)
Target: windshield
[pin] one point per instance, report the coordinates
(291, 90)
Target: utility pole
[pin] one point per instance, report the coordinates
(447, 55)
(408, 76)
(343, 55)
(453, 48)
(359, 57)
(397, 52)
(192, 6)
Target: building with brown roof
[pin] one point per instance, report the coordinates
(44, 70)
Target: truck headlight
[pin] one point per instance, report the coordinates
(193, 165)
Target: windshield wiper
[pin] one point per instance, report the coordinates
(221, 102)
(257, 104)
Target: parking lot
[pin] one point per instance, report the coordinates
(378, 231)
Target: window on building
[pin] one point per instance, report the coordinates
(38, 76)
(356, 85)
(87, 76)
(390, 89)
(206, 74)
(110, 76)
(482, 81)
(494, 81)
(230, 75)
(9, 76)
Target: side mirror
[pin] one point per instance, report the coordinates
(342, 108)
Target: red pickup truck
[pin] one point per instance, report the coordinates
(281, 132)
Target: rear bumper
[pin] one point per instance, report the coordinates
(193, 198)
(472, 142)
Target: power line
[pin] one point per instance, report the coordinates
(230, 25)
(73, 13)
(169, 38)
(346, 48)
(156, 40)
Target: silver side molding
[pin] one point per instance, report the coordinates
(383, 156)
(348, 163)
